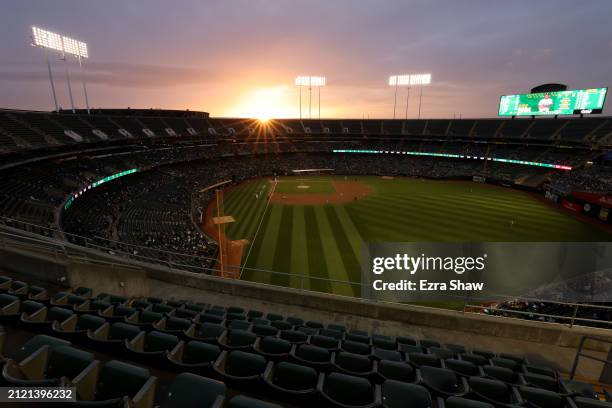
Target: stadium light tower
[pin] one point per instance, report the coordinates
(408, 80)
(66, 46)
(310, 82)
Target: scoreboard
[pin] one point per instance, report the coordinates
(576, 102)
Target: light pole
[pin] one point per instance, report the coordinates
(310, 82)
(408, 80)
(66, 46)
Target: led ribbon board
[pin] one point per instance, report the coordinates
(576, 102)
(457, 156)
(73, 197)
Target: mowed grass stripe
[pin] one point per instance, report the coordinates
(348, 256)
(282, 253)
(299, 249)
(354, 237)
(332, 254)
(252, 216)
(262, 255)
(316, 267)
(237, 206)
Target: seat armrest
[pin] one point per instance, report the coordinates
(86, 381)
(146, 395)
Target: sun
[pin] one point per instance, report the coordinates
(265, 104)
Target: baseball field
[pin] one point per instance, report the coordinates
(311, 228)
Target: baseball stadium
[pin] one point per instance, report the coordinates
(176, 257)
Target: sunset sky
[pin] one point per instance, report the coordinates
(240, 57)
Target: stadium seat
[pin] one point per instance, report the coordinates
(295, 381)
(194, 356)
(329, 343)
(457, 349)
(494, 392)
(579, 388)
(242, 401)
(538, 397)
(313, 356)
(409, 348)
(502, 374)
(443, 382)
(35, 343)
(459, 402)
(38, 293)
(442, 353)
(337, 327)
(92, 306)
(144, 318)
(273, 348)
(110, 338)
(406, 340)
(397, 394)
(582, 402)
(151, 347)
(67, 299)
(240, 368)
(383, 354)
(273, 317)
(294, 337)
(237, 340)
(173, 325)
(358, 337)
(506, 363)
(398, 371)
(384, 342)
(282, 325)
(484, 353)
(75, 327)
(295, 321)
(542, 381)
(41, 320)
(355, 347)
(244, 325)
(425, 343)
(116, 313)
(474, 359)
(421, 359)
(192, 391)
(9, 307)
(255, 314)
(207, 332)
(49, 366)
(261, 330)
(464, 368)
(140, 304)
(83, 291)
(259, 321)
(335, 334)
(314, 325)
(354, 364)
(342, 390)
(540, 370)
(208, 317)
(117, 382)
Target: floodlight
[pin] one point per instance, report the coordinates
(398, 80)
(46, 39)
(420, 79)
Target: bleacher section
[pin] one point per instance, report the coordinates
(118, 350)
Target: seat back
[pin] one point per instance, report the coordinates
(541, 398)
(67, 361)
(123, 331)
(441, 378)
(348, 389)
(177, 323)
(158, 341)
(312, 353)
(210, 330)
(396, 370)
(294, 377)
(353, 362)
(491, 389)
(199, 352)
(147, 316)
(6, 299)
(89, 322)
(241, 364)
(462, 367)
(193, 391)
(397, 394)
(58, 313)
(30, 307)
(458, 402)
(239, 338)
(118, 379)
(36, 343)
(274, 345)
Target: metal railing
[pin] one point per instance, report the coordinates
(580, 353)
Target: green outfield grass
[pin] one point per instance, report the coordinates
(303, 185)
(324, 241)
